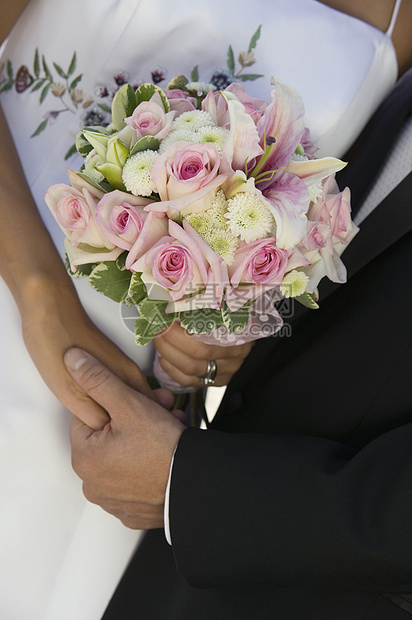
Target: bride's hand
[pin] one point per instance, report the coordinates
(53, 321)
(185, 358)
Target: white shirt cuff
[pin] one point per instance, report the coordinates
(167, 503)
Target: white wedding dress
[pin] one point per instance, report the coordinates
(60, 557)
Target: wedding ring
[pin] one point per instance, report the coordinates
(209, 377)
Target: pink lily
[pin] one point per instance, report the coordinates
(242, 143)
(281, 128)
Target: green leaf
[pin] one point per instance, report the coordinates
(231, 60)
(46, 69)
(8, 86)
(254, 39)
(178, 82)
(155, 311)
(99, 129)
(145, 331)
(40, 128)
(152, 320)
(60, 71)
(146, 143)
(38, 85)
(121, 261)
(235, 321)
(10, 70)
(109, 280)
(76, 80)
(72, 67)
(36, 63)
(146, 91)
(307, 300)
(123, 105)
(103, 186)
(70, 152)
(44, 92)
(194, 76)
(83, 146)
(245, 77)
(202, 321)
(137, 290)
(104, 107)
(83, 271)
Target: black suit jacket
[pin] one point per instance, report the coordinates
(297, 502)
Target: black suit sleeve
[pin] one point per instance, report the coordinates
(293, 510)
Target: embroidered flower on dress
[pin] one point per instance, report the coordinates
(73, 99)
(221, 79)
(158, 74)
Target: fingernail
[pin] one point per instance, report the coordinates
(75, 358)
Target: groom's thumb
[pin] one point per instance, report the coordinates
(96, 380)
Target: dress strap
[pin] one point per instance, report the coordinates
(396, 8)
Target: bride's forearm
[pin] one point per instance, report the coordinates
(10, 12)
(28, 257)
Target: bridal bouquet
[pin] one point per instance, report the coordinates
(203, 206)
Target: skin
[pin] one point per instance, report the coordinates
(117, 419)
(140, 436)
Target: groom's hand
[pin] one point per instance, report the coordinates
(124, 465)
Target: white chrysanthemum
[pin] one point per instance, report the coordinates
(199, 221)
(194, 119)
(315, 191)
(223, 243)
(200, 88)
(249, 217)
(294, 284)
(217, 211)
(136, 173)
(184, 133)
(91, 161)
(213, 135)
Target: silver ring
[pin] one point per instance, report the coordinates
(209, 377)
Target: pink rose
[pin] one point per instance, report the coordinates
(150, 119)
(258, 267)
(317, 235)
(180, 101)
(120, 217)
(180, 268)
(74, 211)
(330, 216)
(333, 208)
(185, 174)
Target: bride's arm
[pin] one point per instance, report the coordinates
(10, 12)
(53, 319)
